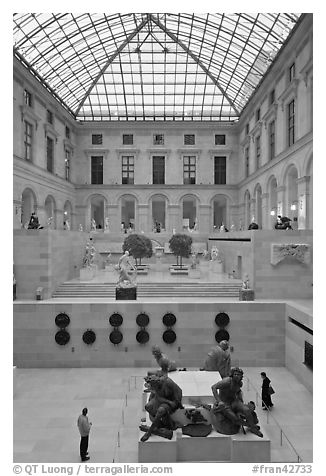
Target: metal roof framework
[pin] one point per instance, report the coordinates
(151, 66)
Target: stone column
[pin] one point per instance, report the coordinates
(280, 200)
(233, 216)
(143, 219)
(41, 213)
(58, 214)
(174, 218)
(114, 219)
(265, 212)
(204, 219)
(303, 202)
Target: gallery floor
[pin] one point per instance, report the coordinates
(47, 403)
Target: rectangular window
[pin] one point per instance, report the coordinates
(128, 166)
(247, 162)
(258, 115)
(257, 143)
(158, 170)
(28, 98)
(67, 132)
(308, 355)
(127, 139)
(219, 170)
(219, 139)
(67, 165)
(291, 72)
(49, 154)
(97, 139)
(49, 116)
(272, 97)
(247, 128)
(271, 134)
(97, 170)
(189, 170)
(291, 119)
(189, 139)
(28, 140)
(158, 139)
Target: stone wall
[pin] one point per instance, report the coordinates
(257, 334)
(46, 258)
(295, 338)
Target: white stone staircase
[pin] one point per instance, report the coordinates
(149, 290)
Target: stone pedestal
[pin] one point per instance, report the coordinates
(246, 295)
(129, 294)
(216, 267)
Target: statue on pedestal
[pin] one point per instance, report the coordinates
(106, 225)
(219, 359)
(93, 224)
(163, 361)
(80, 228)
(89, 255)
(230, 412)
(124, 267)
(215, 255)
(245, 282)
(165, 398)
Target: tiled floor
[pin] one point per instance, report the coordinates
(47, 403)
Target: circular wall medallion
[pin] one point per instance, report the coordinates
(89, 337)
(169, 319)
(222, 319)
(222, 334)
(62, 337)
(116, 336)
(169, 336)
(62, 320)
(116, 320)
(142, 337)
(142, 320)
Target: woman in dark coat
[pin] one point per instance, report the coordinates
(265, 395)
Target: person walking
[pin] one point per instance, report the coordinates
(265, 392)
(84, 427)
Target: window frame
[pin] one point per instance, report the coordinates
(67, 164)
(50, 159)
(258, 151)
(216, 140)
(128, 168)
(97, 143)
(291, 71)
(219, 170)
(99, 173)
(247, 161)
(158, 139)
(28, 98)
(189, 142)
(271, 139)
(290, 122)
(156, 172)
(127, 142)
(28, 145)
(189, 169)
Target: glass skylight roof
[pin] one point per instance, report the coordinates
(151, 66)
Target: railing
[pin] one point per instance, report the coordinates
(280, 442)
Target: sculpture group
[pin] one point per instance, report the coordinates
(228, 415)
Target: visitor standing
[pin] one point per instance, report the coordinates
(84, 427)
(265, 392)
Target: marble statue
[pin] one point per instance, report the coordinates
(193, 260)
(219, 359)
(124, 266)
(106, 225)
(245, 282)
(80, 228)
(67, 225)
(230, 413)
(165, 398)
(89, 254)
(50, 222)
(162, 360)
(215, 255)
(93, 225)
(232, 228)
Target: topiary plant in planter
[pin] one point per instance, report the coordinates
(139, 247)
(180, 245)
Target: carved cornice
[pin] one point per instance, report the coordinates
(50, 130)
(220, 152)
(280, 251)
(270, 114)
(28, 113)
(97, 151)
(290, 92)
(126, 151)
